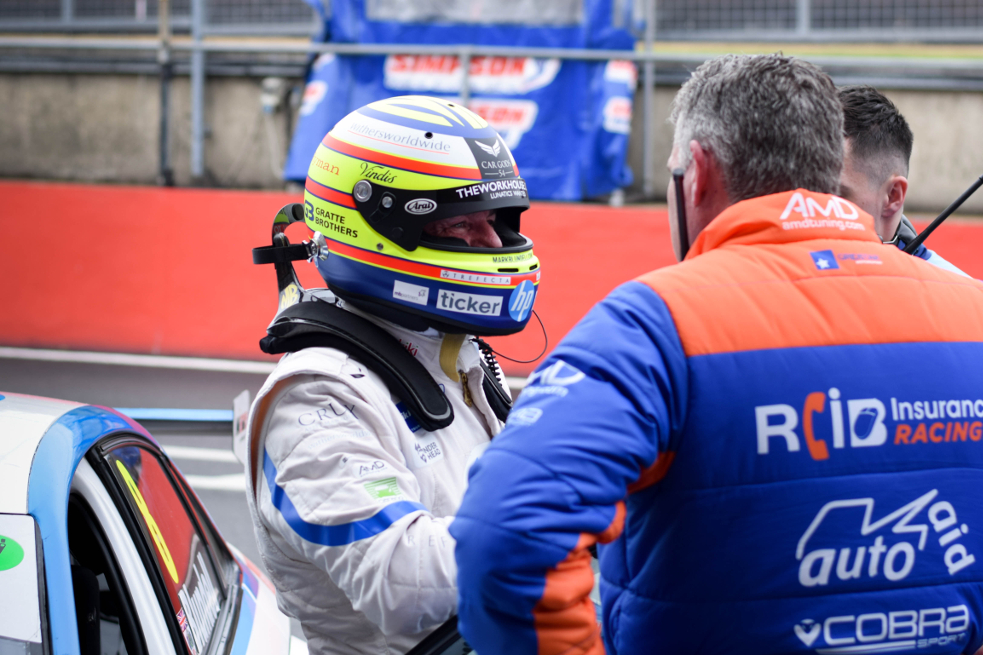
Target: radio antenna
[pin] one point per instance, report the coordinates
(917, 241)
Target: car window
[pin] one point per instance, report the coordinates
(194, 587)
(224, 560)
(21, 628)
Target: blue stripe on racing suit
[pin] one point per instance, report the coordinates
(333, 535)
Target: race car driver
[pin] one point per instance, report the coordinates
(416, 201)
(876, 153)
(775, 441)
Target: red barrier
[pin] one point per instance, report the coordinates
(168, 271)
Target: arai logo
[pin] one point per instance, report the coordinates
(11, 553)
(420, 206)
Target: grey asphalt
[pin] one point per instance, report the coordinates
(126, 386)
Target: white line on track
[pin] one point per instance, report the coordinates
(201, 454)
(228, 482)
(231, 482)
(163, 361)
(149, 361)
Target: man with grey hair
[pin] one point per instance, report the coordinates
(746, 433)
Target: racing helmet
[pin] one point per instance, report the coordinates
(384, 172)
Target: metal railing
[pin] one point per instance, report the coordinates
(916, 72)
(763, 20)
(744, 20)
(948, 21)
(268, 17)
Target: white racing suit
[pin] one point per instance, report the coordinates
(351, 499)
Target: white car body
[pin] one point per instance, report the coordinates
(57, 482)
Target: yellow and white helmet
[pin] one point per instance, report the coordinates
(389, 168)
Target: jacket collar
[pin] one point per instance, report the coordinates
(786, 217)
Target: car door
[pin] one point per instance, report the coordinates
(99, 539)
(195, 578)
(23, 629)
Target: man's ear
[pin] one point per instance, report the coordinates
(702, 162)
(897, 190)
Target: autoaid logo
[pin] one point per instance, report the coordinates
(806, 212)
(420, 206)
(11, 553)
(884, 632)
(893, 540)
(864, 423)
(521, 300)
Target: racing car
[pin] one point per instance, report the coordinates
(104, 547)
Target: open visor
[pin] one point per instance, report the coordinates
(400, 214)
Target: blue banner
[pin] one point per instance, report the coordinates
(567, 122)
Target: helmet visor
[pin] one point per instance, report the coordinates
(400, 214)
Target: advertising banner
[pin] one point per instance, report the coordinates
(567, 122)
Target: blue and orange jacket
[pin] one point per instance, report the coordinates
(779, 443)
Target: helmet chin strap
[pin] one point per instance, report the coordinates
(450, 348)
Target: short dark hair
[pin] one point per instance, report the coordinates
(875, 127)
(773, 122)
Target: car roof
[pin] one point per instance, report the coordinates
(24, 420)
(43, 440)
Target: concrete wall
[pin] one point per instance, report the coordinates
(104, 128)
(947, 156)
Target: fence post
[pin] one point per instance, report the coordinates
(648, 101)
(803, 17)
(67, 11)
(165, 176)
(465, 58)
(197, 91)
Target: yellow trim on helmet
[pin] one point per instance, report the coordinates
(392, 106)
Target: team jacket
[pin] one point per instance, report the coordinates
(351, 499)
(778, 440)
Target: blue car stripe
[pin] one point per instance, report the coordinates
(333, 535)
(244, 627)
